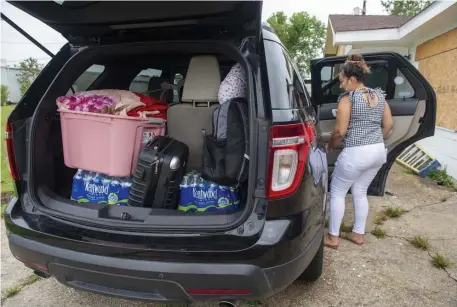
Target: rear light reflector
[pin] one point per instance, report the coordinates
(10, 152)
(33, 265)
(218, 292)
(289, 146)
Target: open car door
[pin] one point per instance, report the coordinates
(409, 95)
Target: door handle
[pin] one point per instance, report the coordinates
(334, 112)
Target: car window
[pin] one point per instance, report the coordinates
(403, 89)
(140, 84)
(377, 78)
(86, 79)
(285, 84)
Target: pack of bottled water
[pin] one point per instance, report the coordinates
(200, 195)
(91, 187)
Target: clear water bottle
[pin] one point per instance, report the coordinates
(79, 175)
(194, 181)
(200, 182)
(185, 182)
(96, 179)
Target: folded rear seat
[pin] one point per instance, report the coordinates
(186, 120)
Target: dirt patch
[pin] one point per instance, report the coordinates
(6, 197)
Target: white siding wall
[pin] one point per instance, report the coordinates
(9, 78)
(442, 146)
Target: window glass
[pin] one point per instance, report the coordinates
(87, 78)
(377, 78)
(403, 89)
(286, 86)
(140, 84)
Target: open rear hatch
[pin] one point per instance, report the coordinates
(101, 22)
(118, 24)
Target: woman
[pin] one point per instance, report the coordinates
(363, 120)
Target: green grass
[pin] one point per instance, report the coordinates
(408, 171)
(13, 291)
(393, 212)
(440, 261)
(380, 218)
(30, 280)
(18, 288)
(419, 242)
(378, 233)
(7, 183)
(442, 178)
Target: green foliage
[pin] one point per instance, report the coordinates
(408, 171)
(302, 34)
(404, 8)
(420, 242)
(380, 218)
(5, 92)
(393, 212)
(442, 178)
(440, 261)
(29, 70)
(378, 233)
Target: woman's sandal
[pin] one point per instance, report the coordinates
(348, 236)
(330, 245)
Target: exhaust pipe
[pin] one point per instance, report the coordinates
(41, 274)
(227, 304)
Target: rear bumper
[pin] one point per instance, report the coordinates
(159, 280)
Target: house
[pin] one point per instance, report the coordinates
(9, 76)
(429, 40)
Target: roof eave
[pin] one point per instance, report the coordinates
(393, 34)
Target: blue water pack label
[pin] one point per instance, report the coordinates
(98, 188)
(199, 195)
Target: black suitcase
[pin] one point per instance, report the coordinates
(159, 171)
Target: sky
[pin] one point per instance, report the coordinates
(15, 47)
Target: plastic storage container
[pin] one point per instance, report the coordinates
(107, 144)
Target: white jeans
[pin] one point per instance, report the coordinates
(355, 169)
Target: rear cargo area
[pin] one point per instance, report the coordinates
(76, 154)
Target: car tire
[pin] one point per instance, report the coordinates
(315, 268)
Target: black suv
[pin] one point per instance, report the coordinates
(160, 255)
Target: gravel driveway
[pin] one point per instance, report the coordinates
(383, 272)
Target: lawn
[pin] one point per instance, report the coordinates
(7, 183)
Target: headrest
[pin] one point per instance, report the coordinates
(202, 80)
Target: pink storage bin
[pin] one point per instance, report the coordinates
(103, 143)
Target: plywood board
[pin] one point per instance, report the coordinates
(441, 71)
(439, 44)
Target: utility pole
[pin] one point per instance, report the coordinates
(364, 9)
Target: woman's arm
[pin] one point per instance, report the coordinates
(387, 122)
(342, 122)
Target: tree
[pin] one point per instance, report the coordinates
(302, 34)
(404, 7)
(5, 92)
(29, 70)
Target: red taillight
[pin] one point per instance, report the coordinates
(10, 151)
(288, 151)
(218, 292)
